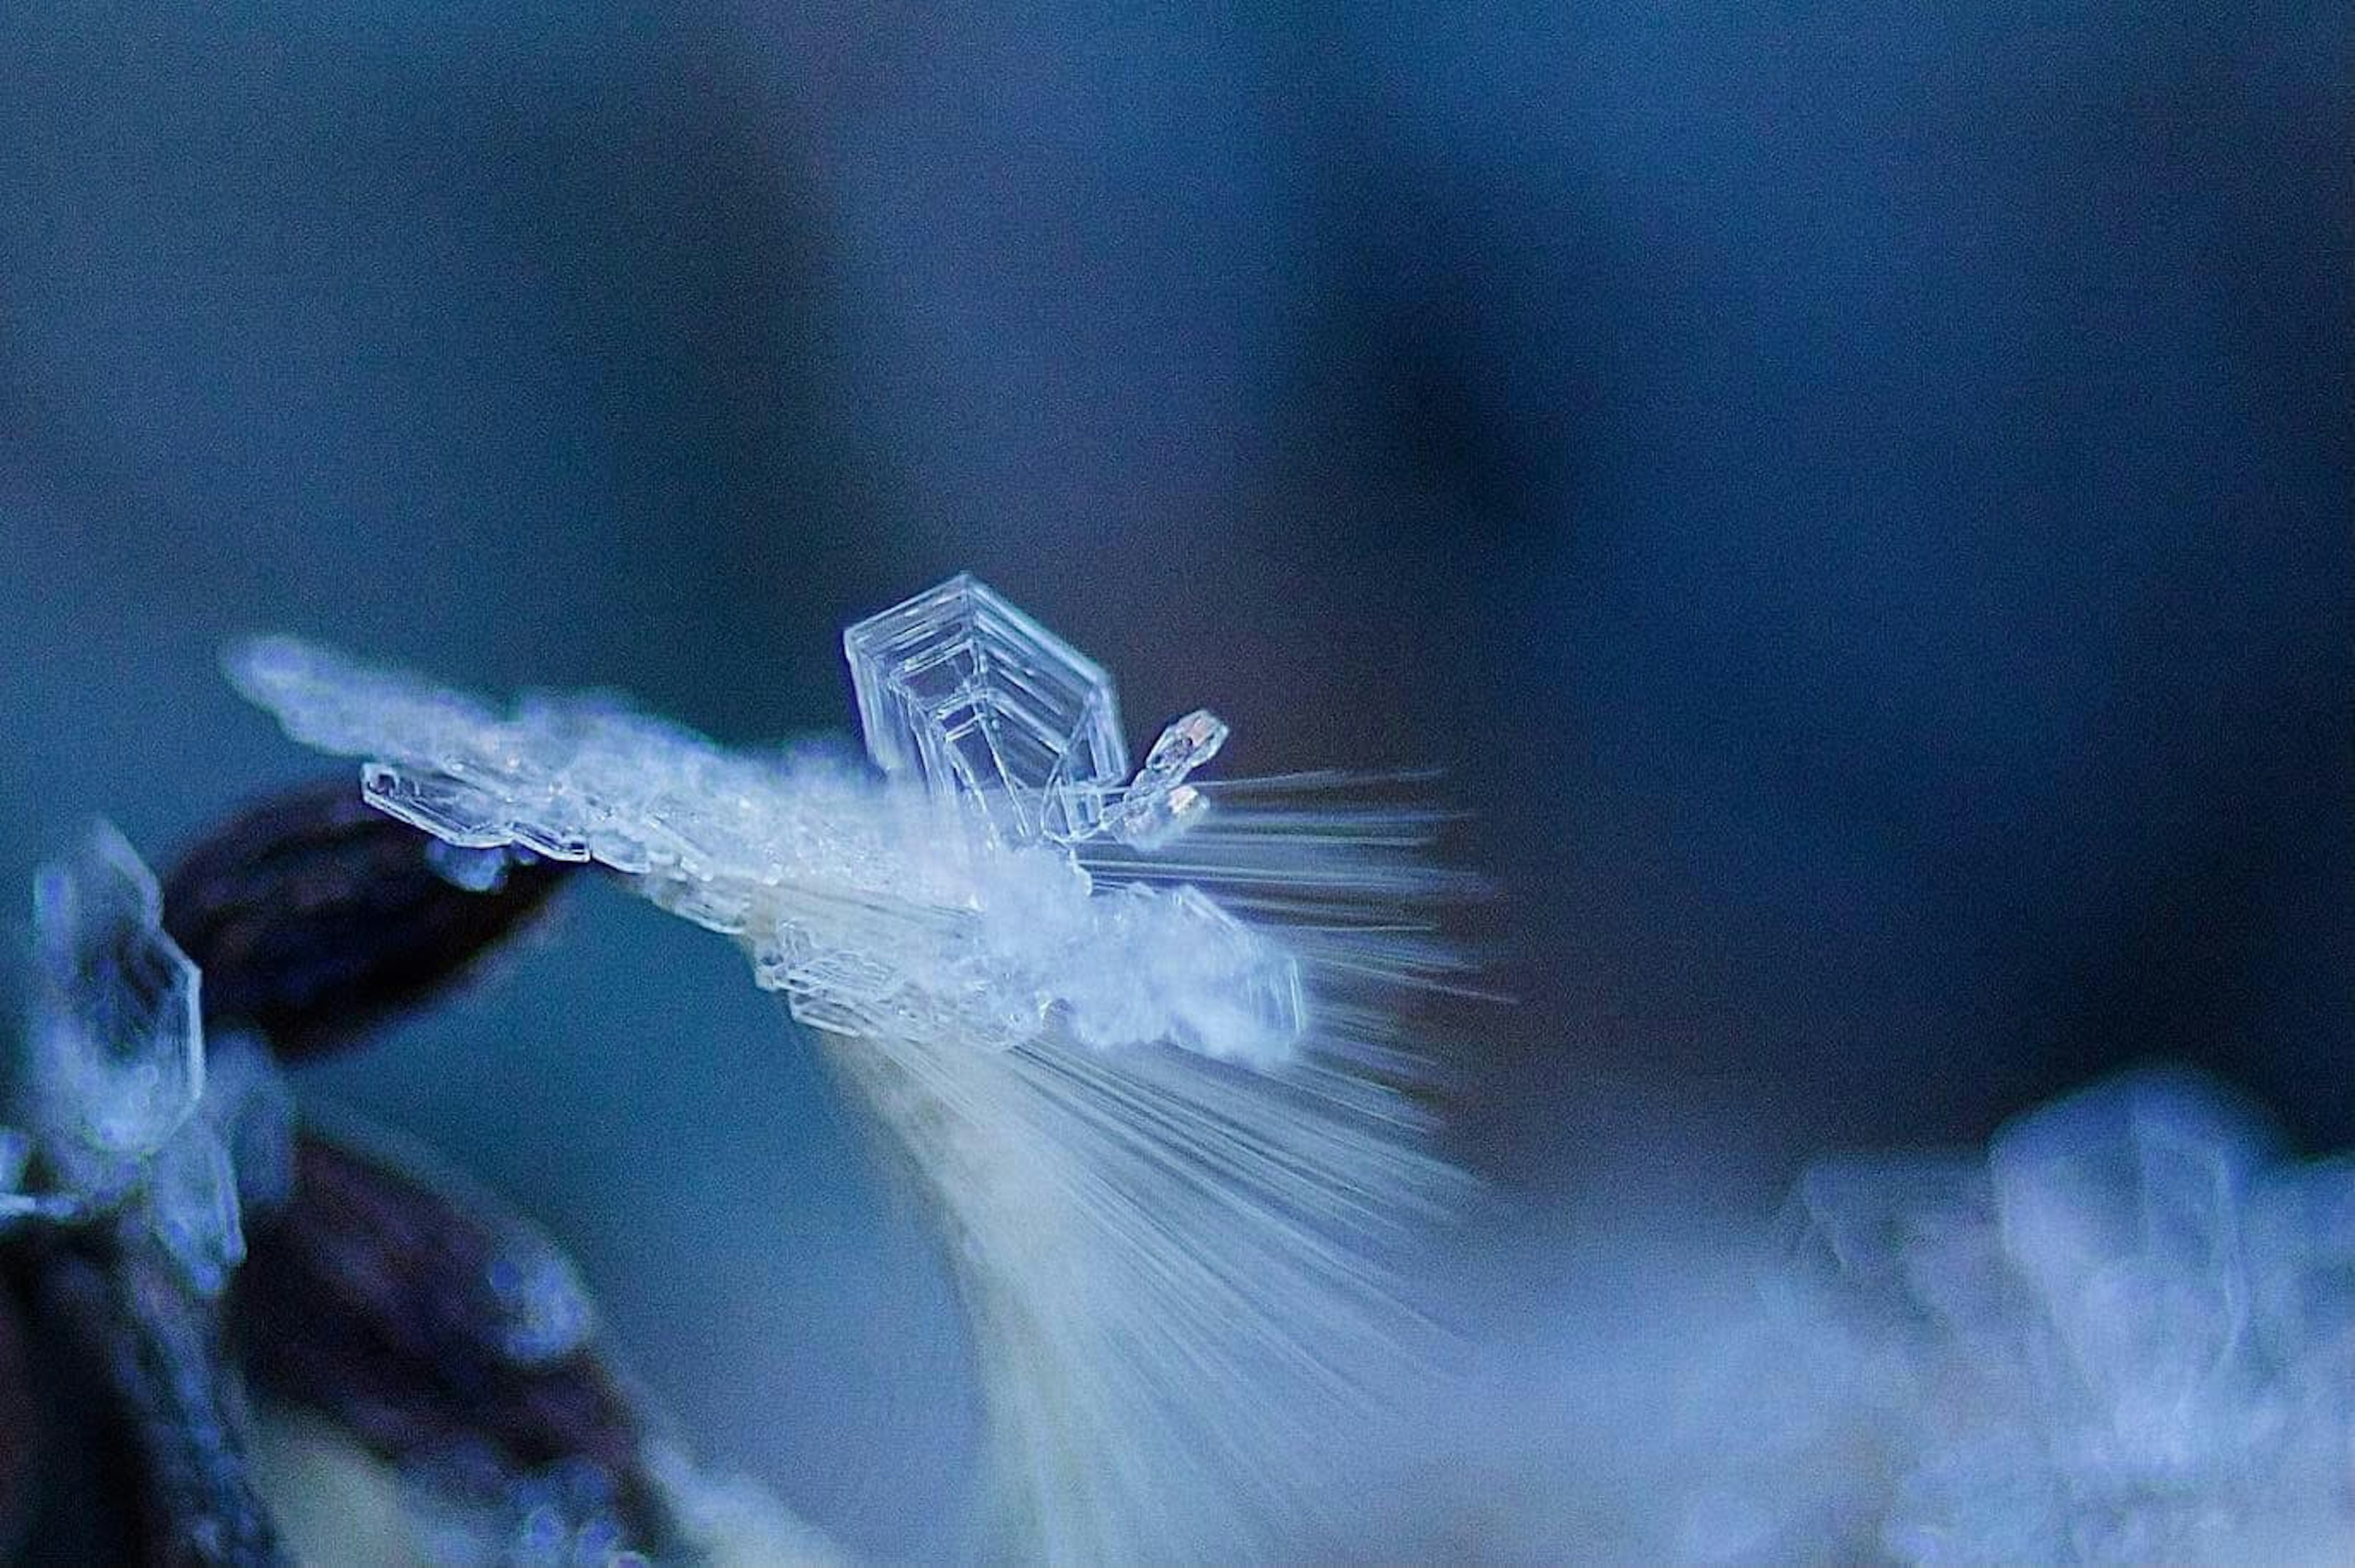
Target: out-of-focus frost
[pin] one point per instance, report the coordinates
(118, 1052)
(2122, 1332)
(2125, 1335)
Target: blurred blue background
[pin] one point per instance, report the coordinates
(1859, 500)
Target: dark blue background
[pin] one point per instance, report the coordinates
(1859, 500)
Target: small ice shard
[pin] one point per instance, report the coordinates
(1888, 1231)
(120, 1052)
(545, 1310)
(2123, 1211)
(476, 870)
(1188, 972)
(995, 712)
(459, 813)
(236, 1152)
(1236, 994)
(1159, 804)
(192, 1209)
(250, 1110)
(844, 993)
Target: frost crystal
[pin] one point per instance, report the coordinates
(129, 1119)
(115, 1026)
(949, 899)
(1161, 804)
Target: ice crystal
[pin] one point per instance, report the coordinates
(119, 1092)
(948, 898)
(120, 1051)
(1161, 804)
(995, 712)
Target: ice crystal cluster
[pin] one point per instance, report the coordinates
(956, 901)
(1142, 1040)
(127, 1112)
(2126, 1335)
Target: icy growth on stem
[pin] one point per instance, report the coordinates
(957, 910)
(117, 1086)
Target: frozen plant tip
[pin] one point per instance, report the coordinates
(1040, 973)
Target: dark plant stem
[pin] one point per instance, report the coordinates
(314, 917)
(159, 1344)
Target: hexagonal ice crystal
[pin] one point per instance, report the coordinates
(120, 1050)
(996, 712)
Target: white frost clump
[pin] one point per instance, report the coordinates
(1182, 1266)
(2123, 1332)
(2128, 1334)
